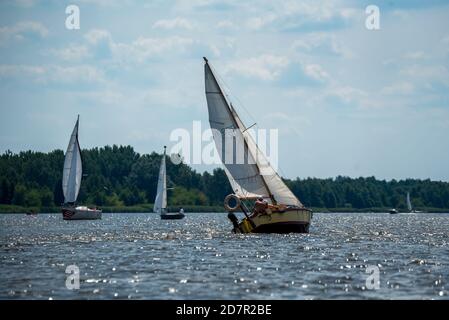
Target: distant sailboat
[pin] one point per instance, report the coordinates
(160, 203)
(284, 212)
(71, 182)
(409, 205)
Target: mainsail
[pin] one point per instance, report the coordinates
(409, 203)
(160, 203)
(73, 168)
(251, 176)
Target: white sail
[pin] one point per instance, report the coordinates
(73, 168)
(251, 176)
(160, 203)
(409, 203)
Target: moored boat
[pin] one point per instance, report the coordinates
(254, 178)
(80, 213)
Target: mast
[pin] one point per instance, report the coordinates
(233, 115)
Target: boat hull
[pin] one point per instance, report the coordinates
(293, 220)
(81, 213)
(172, 216)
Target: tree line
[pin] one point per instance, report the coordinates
(119, 176)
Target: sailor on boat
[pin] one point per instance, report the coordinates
(260, 207)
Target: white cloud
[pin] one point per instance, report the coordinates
(26, 3)
(79, 74)
(144, 48)
(97, 35)
(316, 72)
(321, 43)
(402, 88)
(175, 23)
(445, 40)
(215, 50)
(71, 53)
(21, 30)
(8, 71)
(415, 55)
(225, 24)
(138, 50)
(257, 23)
(265, 67)
(347, 94)
(106, 97)
(298, 14)
(427, 74)
(291, 124)
(107, 3)
(53, 73)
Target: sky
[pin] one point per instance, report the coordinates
(346, 100)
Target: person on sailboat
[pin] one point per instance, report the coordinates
(260, 206)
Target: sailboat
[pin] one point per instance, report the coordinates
(71, 182)
(253, 178)
(409, 205)
(160, 203)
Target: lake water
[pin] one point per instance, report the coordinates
(138, 256)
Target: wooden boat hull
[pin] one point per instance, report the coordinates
(172, 216)
(81, 213)
(292, 220)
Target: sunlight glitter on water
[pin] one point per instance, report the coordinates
(138, 256)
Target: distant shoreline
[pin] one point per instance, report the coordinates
(148, 208)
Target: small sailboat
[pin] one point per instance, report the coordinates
(283, 212)
(160, 203)
(71, 182)
(409, 205)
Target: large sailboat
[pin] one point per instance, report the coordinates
(71, 182)
(254, 178)
(160, 203)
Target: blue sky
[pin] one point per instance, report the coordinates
(346, 100)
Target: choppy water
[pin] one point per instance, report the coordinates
(138, 256)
